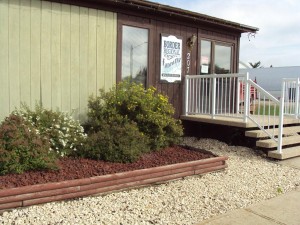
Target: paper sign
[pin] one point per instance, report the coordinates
(204, 69)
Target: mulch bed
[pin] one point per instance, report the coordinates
(73, 168)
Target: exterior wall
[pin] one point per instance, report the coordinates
(158, 26)
(56, 54)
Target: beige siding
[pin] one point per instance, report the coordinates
(54, 53)
(4, 79)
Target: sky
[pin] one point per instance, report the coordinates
(277, 42)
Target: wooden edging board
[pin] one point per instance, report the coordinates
(57, 191)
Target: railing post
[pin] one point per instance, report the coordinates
(246, 99)
(213, 110)
(186, 87)
(297, 99)
(238, 91)
(280, 125)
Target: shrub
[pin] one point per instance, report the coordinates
(65, 133)
(150, 110)
(115, 142)
(22, 148)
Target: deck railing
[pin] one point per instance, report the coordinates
(215, 95)
(237, 96)
(290, 94)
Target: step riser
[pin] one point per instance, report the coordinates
(261, 134)
(290, 138)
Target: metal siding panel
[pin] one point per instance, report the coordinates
(35, 52)
(83, 62)
(92, 60)
(114, 50)
(100, 49)
(55, 56)
(4, 84)
(46, 68)
(110, 42)
(14, 53)
(75, 90)
(65, 58)
(25, 52)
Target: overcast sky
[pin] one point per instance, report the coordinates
(277, 42)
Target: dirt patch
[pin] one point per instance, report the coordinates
(72, 168)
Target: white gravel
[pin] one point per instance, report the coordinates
(250, 178)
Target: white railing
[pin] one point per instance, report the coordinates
(237, 96)
(215, 95)
(266, 111)
(290, 94)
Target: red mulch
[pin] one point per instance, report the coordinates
(73, 168)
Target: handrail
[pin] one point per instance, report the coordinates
(256, 86)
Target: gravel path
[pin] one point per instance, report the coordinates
(250, 178)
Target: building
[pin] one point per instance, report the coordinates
(59, 52)
(276, 74)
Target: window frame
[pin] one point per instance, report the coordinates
(127, 22)
(212, 54)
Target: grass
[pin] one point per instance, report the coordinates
(268, 110)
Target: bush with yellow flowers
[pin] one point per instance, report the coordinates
(131, 103)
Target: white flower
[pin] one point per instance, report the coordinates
(63, 143)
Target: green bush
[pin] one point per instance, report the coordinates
(65, 133)
(22, 148)
(150, 110)
(115, 142)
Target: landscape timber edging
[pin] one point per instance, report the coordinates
(43, 193)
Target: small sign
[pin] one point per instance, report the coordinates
(171, 58)
(204, 68)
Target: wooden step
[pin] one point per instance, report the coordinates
(286, 153)
(269, 143)
(261, 134)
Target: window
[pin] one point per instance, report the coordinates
(215, 58)
(205, 57)
(222, 59)
(135, 54)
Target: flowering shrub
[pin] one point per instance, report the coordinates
(151, 111)
(22, 148)
(65, 133)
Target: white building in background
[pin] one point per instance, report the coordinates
(271, 78)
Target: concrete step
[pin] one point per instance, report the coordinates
(261, 134)
(286, 153)
(269, 143)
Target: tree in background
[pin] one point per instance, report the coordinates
(255, 65)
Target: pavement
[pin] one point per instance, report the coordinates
(283, 209)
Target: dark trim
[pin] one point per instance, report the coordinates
(142, 7)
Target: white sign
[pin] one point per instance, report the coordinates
(171, 58)
(204, 69)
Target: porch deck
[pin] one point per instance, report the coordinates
(235, 121)
(232, 99)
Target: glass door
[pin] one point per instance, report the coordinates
(215, 58)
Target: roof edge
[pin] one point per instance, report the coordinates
(164, 9)
(192, 15)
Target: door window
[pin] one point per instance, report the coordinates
(215, 58)
(222, 59)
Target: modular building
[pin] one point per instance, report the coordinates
(60, 52)
(271, 78)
